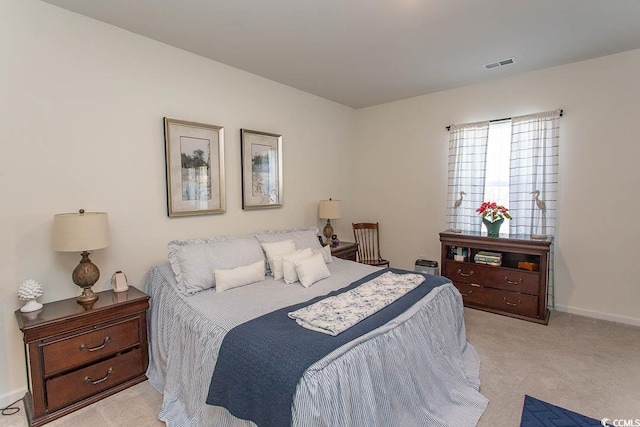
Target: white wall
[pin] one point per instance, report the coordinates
(401, 173)
(82, 106)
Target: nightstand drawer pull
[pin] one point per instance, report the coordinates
(511, 303)
(463, 274)
(506, 279)
(100, 347)
(467, 294)
(88, 379)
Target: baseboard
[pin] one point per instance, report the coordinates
(9, 398)
(598, 315)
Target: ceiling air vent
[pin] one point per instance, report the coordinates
(500, 63)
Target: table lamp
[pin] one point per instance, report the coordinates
(329, 209)
(82, 232)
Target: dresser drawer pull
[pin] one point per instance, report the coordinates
(466, 295)
(463, 274)
(519, 281)
(88, 379)
(100, 347)
(511, 303)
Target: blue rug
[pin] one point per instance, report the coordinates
(537, 413)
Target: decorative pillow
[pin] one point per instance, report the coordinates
(326, 253)
(288, 266)
(311, 269)
(303, 238)
(194, 261)
(239, 276)
(274, 252)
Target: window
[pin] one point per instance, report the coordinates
(496, 186)
(513, 162)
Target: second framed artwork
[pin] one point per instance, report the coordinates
(261, 154)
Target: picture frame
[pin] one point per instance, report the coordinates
(194, 155)
(261, 154)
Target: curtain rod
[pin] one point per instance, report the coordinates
(502, 120)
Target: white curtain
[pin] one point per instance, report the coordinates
(467, 163)
(533, 181)
(534, 168)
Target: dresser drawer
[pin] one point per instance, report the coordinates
(512, 302)
(471, 294)
(85, 382)
(89, 346)
(509, 279)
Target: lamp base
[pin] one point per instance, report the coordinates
(87, 298)
(327, 231)
(85, 275)
(539, 236)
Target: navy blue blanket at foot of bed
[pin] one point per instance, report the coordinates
(261, 361)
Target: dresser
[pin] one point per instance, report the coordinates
(76, 357)
(345, 250)
(517, 287)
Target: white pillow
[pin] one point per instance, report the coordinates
(288, 266)
(239, 276)
(274, 252)
(194, 261)
(311, 269)
(303, 238)
(326, 253)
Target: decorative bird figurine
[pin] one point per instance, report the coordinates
(539, 203)
(458, 202)
(29, 291)
(456, 205)
(543, 211)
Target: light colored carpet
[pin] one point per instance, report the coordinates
(585, 365)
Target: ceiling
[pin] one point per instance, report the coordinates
(366, 52)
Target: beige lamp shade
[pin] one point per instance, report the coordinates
(82, 231)
(330, 209)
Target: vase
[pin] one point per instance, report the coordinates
(31, 305)
(493, 228)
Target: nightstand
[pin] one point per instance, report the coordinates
(345, 250)
(76, 357)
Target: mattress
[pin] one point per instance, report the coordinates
(415, 370)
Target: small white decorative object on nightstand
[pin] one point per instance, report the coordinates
(119, 282)
(29, 291)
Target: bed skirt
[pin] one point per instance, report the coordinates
(416, 370)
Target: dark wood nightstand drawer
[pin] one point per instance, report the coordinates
(99, 343)
(345, 250)
(77, 385)
(493, 277)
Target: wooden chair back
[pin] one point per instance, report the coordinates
(368, 240)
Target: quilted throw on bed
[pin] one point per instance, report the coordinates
(336, 314)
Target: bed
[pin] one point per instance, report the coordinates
(417, 369)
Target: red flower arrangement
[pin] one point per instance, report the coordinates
(491, 211)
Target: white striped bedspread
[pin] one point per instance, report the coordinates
(417, 370)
